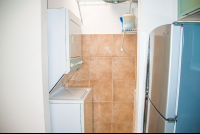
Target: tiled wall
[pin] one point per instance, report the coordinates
(112, 76)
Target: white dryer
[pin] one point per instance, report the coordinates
(71, 110)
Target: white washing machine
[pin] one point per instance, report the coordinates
(71, 110)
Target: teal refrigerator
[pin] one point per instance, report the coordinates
(173, 80)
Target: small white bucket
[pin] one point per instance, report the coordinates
(128, 21)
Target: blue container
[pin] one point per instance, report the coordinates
(121, 19)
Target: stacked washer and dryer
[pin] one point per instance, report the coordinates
(70, 108)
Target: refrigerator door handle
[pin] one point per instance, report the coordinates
(170, 120)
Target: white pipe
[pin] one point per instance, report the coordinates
(123, 42)
(130, 7)
(79, 10)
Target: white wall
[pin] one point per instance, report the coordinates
(97, 19)
(23, 67)
(151, 14)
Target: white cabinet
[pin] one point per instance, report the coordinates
(75, 34)
(189, 9)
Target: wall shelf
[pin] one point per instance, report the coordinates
(102, 2)
(130, 31)
(92, 2)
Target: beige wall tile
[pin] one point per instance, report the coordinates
(86, 53)
(111, 74)
(133, 125)
(123, 112)
(122, 128)
(102, 127)
(86, 47)
(100, 68)
(102, 90)
(85, 37)
(67, 77)
(103, 45)
(78, 83)
(93, 36)
(83, 72)
(123, 90)
(124, 68)
(86, 43)
(102, 112)
(88, 119)
(129, 46)
(89, 127)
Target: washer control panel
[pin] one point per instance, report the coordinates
(75, 64)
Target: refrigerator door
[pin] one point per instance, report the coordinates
(189, 94)
(164, 65)
(157, 123)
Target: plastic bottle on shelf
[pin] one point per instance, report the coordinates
(129, 21)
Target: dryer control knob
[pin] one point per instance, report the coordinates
(72, 65)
